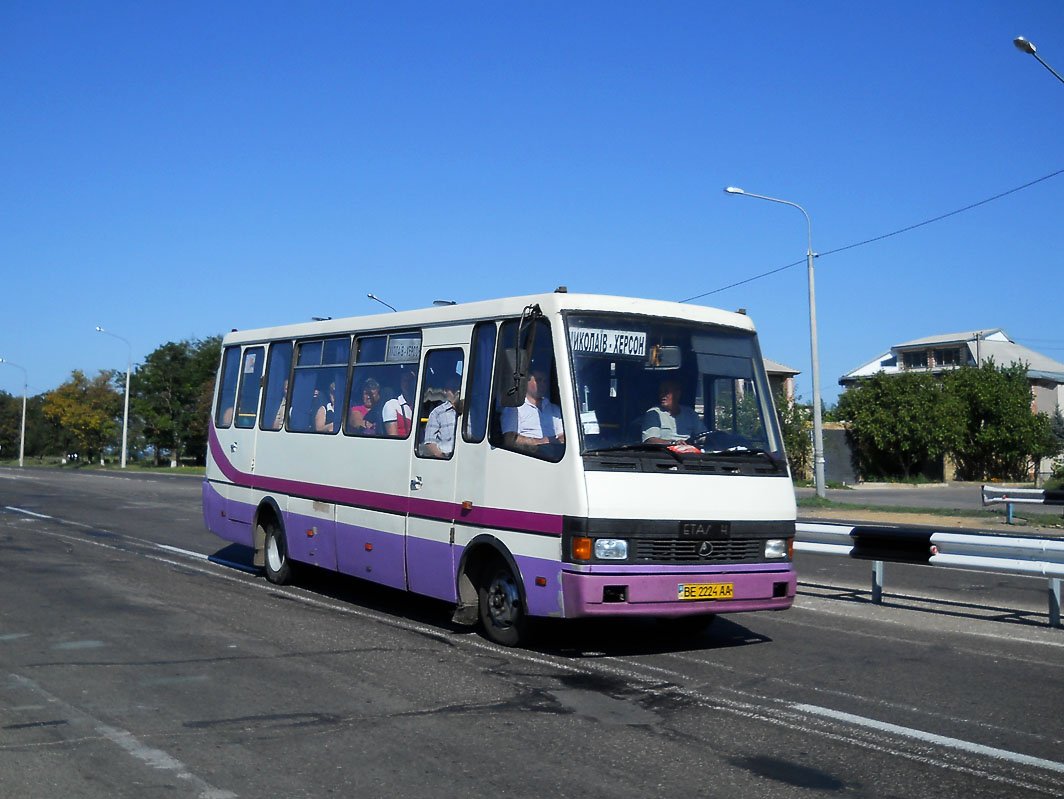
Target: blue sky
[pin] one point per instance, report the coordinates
(173, 171)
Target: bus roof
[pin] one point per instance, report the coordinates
(497, 308)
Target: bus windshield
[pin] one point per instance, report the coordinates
(646, 384)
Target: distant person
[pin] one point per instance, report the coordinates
(397, 414)
(443, 421)
(670, 422)
(537, 421)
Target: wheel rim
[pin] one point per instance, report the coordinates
(274, 557)
(504, 602)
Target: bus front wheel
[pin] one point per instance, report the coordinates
(502, 613)
(278, 567)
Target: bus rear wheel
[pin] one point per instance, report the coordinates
(278, 567)
(501, 610)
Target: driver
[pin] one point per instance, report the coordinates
(669, 422)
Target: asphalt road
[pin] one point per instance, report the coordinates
(140, 657)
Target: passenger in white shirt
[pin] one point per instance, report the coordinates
(397, 413)
(538, 421)
(442, 421)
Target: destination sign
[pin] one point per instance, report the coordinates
(623, 343)
(404, 350)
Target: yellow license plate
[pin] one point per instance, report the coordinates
(705, 590)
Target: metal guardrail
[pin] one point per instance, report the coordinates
(1020, 496)
(1038, 557)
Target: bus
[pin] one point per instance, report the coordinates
(560, 455)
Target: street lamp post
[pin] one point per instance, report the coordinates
(818, 424)
(22, 435)
(1025, 46)
(382, 302)
(125, 413)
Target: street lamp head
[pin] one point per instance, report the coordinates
(99, 329)
(733, 190)
(1024, 46)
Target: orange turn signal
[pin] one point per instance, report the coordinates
(581, 549)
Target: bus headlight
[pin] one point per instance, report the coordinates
(776, 548)
(611, 549)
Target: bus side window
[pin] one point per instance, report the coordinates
(535, 427)
(439, 409)
(317, 385)
(383, 382)
(223, 414)
(250, 383)
(478, 387)
(275, 397)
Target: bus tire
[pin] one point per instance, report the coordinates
(501, 609)
(278, 566)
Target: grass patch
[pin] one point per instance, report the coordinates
(994, 514)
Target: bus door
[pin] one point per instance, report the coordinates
(239, 438)
(429, 527)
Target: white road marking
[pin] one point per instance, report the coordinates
(931, 738)
(27, 512)
(150, 756)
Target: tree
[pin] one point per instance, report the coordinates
(1001, 437)
(794, 426)
(86, 410)
(899, 422)
(10, 424)
(168, 392)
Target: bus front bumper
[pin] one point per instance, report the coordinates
(662, 594)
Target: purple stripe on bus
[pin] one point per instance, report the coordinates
(216, 518)
(311, 539)
(527, 521)
(371, 555)
(430, 568)
(541, 600)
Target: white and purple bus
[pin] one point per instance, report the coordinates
(559, 455)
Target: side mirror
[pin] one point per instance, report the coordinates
(512, 378)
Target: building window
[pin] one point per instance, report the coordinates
(915, 360)
(950, 357)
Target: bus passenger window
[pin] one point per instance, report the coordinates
(478, 387)
(223, 414)
(383, 385)
(535, 427)
(440, 404)
(317, 385)
(250, 383)
(275, 397)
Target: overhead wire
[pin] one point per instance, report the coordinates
(906, 229)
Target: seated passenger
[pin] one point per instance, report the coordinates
(538, 421)
(324, 415)
(397, 413)
(365, 418)
(443, 420)
(669, 422)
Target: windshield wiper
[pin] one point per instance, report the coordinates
(741, 450)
